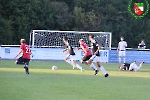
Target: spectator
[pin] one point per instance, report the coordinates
(142, 45)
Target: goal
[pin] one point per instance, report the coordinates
(53, 39)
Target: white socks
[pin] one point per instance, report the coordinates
(78, 66)
(103, 70)
(119, 60)
(74, 65)
(69, 61)
(93, 66)
(139, 67)
(124, 59)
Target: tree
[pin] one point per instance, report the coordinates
(62, 17)
(22, 16)
(5, 31)
(26, 15)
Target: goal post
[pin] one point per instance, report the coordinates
(53, 39)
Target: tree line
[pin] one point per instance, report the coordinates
(19, 17)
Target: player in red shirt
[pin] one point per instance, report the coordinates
(86, 50)
(25, 58)
(87, 55)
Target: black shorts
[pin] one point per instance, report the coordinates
(126, 66)
(86, 58)
(23, 61)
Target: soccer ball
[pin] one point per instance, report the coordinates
(54, 67)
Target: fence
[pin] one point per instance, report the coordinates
(8, 52)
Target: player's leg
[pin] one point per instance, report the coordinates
(90, 63)
(102, 69)
(73, 63)
(97, 61)
(132, 67)
(67, 59)
(139, 67)
(20, 61)
(72, 57)
(124, 56)
(86, 60)
(127, 68)
(120, 54)
(77, 65)
(121, 67)
(26, 65)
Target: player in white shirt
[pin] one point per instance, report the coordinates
(122, 49)
(131, 67)
(134, 67)
(70, 55)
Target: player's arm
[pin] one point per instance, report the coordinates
(18, 53)
(121, 67)
(118, 47)
(65, 50)
(97, 49)
(84, 49)
(30, 52)
(78, 49)
(125, 44)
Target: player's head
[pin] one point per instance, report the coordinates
(142, 41)
(22, 41)
(121, 38)
(80, 41)
(91, 37)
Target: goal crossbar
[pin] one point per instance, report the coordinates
(53, 38)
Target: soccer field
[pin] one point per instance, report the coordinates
(67, 84)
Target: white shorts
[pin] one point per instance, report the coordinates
(122, 53)
(72, 57)
(95, 58)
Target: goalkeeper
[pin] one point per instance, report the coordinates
(70, 55)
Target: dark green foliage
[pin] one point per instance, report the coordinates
(19, 17)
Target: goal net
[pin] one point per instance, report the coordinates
(53, 39)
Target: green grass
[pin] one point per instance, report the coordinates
(67, 84)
